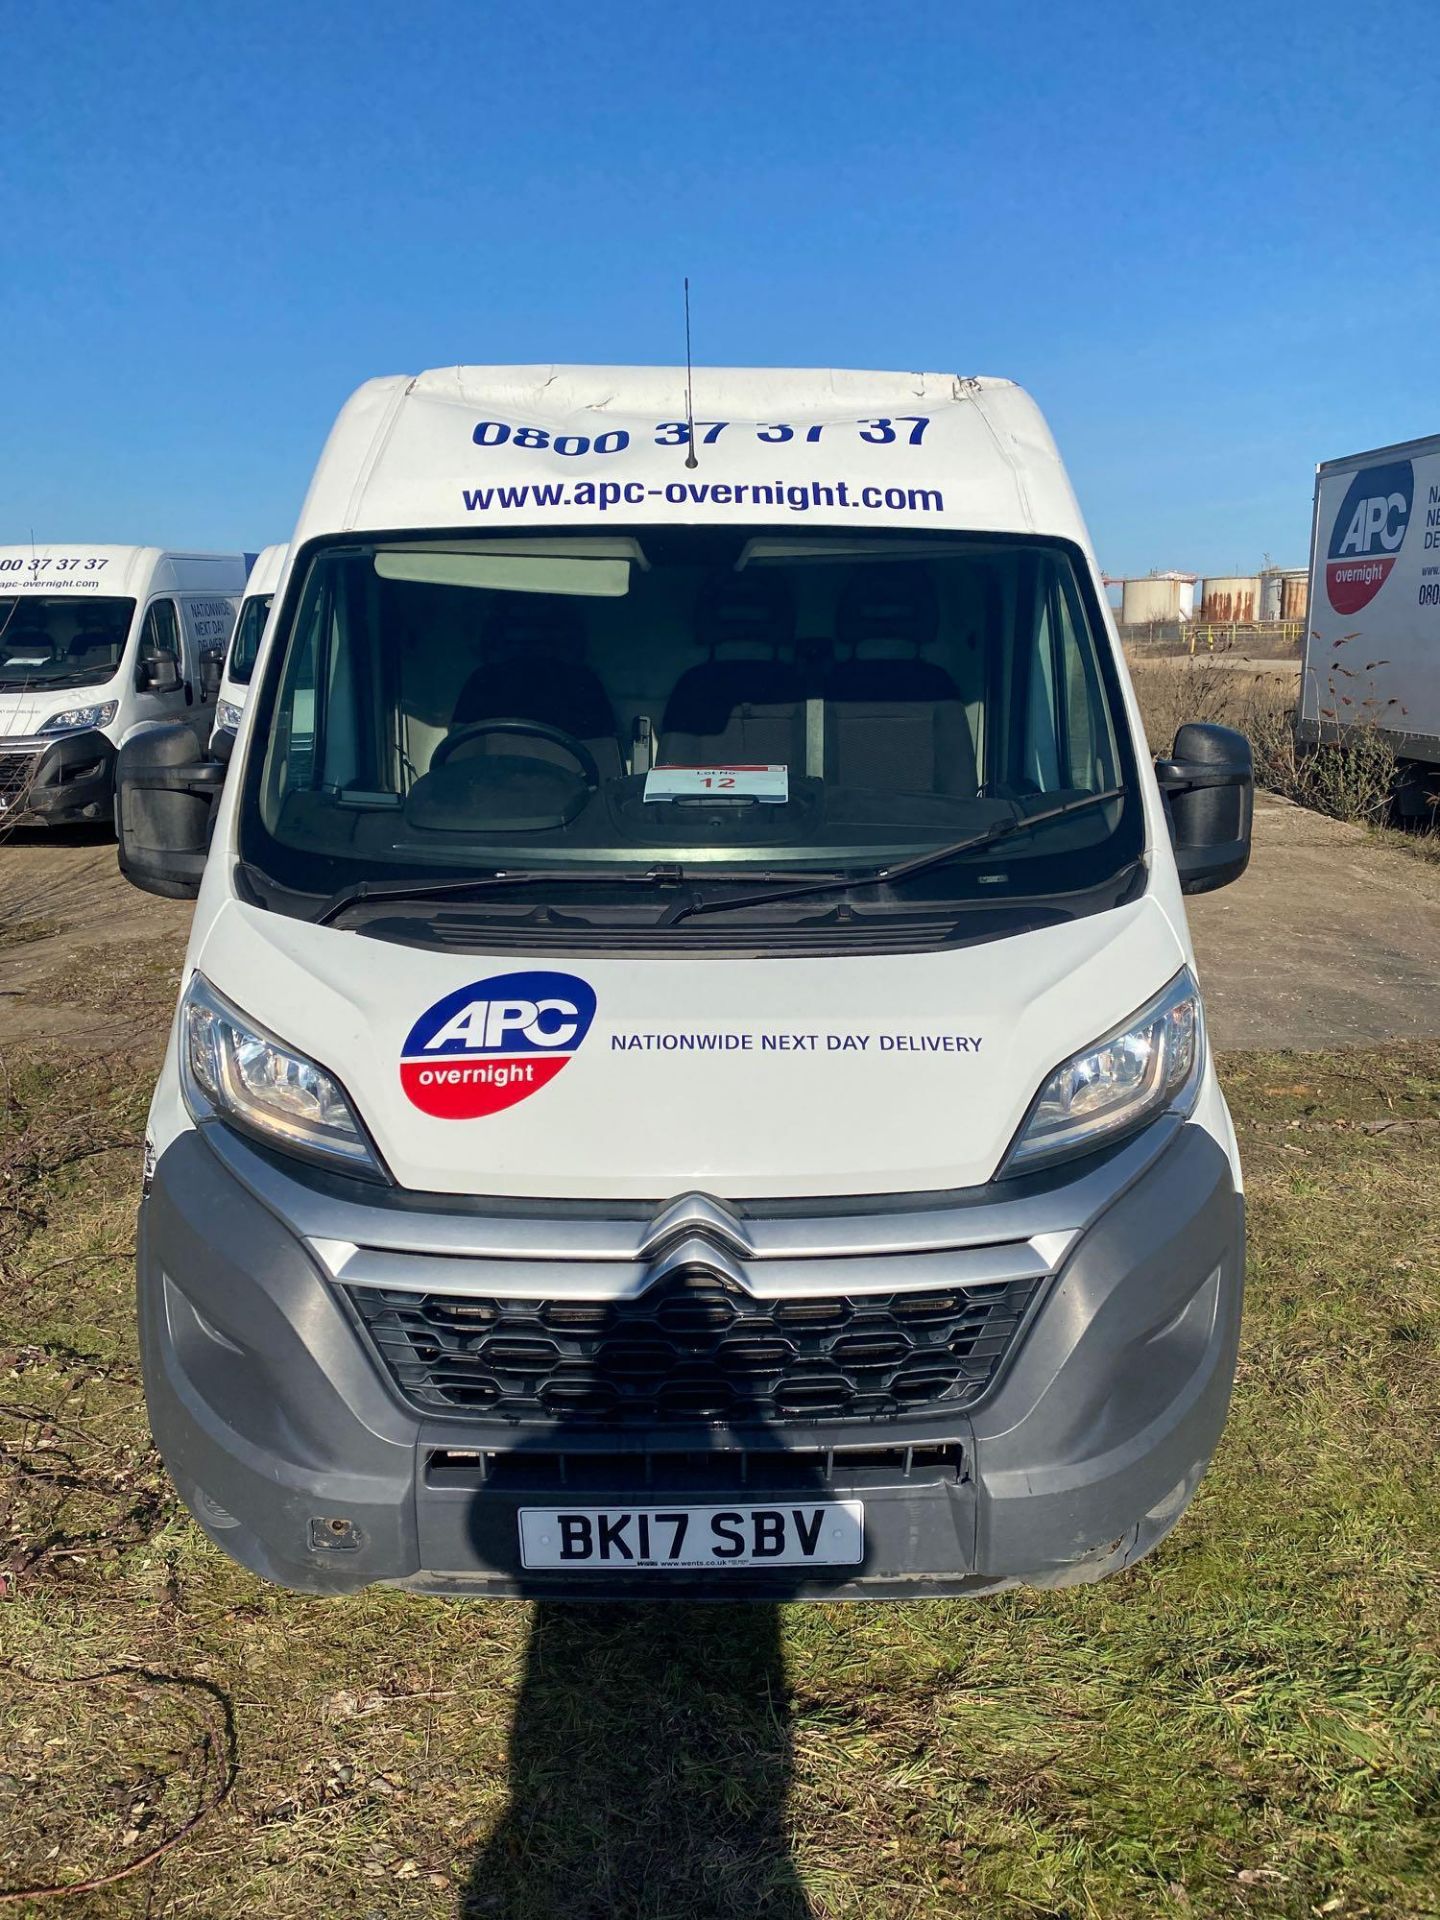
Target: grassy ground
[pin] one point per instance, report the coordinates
(1247, 1724)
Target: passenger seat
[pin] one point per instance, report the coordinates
(741, 711)
(893, 719)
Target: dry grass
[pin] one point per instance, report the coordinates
(1246, 1725)
(1173, 691)
(1353, 780)
(29, 909)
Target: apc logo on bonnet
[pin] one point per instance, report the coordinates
(1367, 534)
(494, 1043)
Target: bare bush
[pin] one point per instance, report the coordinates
(28, 902)
(25, 902)
(1352, 778)
(1174, 691)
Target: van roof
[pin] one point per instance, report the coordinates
(867, 450)
(265, 574)
(55, 565)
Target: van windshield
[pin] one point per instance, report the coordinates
(688, 704)
(62, 640)
(246, 644)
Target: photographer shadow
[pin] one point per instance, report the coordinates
(649, 1770)
(650, 1756)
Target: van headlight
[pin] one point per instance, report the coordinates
(231, 1069)
(1149, 1066)
(76, 719)
(227, 716)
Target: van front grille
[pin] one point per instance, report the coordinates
(17, 771)
(695, 1349)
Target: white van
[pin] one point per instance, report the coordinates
(93, 642)
(244, 646)
(689, 1077)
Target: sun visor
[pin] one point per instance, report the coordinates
(776, 550)
(594, 568)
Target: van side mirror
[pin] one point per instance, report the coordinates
(212, 671)
(1208, 784)
(160, 673)
(164, 801)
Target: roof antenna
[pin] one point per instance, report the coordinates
(690, 459)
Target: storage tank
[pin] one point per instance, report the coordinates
(1284, 592)
(1233, 596)
(1164, 596)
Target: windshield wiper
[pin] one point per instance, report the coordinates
(64, 684)
(918, 863)
(366, 892)
(363, 892)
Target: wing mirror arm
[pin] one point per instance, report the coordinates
(206, 777)
(1185, 776)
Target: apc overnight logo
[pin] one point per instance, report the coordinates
(494, 1043)
(1367, 534)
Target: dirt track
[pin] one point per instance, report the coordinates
(1329, 940)
(70, 884)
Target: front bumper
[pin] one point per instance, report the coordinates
(58, 779)
(297, 1455)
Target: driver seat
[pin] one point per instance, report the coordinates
(533, 668)
(92, 640)
(27, 628)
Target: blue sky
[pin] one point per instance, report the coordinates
(1206, 236)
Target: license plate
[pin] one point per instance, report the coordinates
(613, 1539)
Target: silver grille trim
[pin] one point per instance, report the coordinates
(874, 1244)
(410, 1272)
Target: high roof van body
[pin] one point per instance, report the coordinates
(690, 1077)
(244, 648)
(95, 641)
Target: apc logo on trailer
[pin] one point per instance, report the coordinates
(494, 1043)
(1367, 534)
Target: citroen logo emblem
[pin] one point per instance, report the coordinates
(697, 1214)
(696, 1231)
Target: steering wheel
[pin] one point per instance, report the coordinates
(536, 729)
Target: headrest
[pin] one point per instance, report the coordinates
(753, 607)
(894, 602)
(814, 652)
(534, 623)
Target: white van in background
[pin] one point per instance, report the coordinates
(241, 654)
(689, 1076)
(94, 640)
